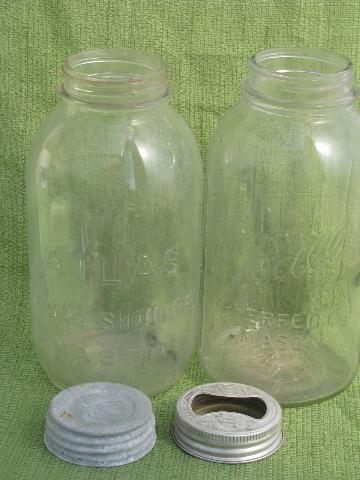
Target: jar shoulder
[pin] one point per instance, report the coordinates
(246, 131)
(71, 133)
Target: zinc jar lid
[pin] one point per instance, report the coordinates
(228, 423)
(100, 424)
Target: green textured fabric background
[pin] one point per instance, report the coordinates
(207, 45)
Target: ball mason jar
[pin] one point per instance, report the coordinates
(114, 182)
(282, 273)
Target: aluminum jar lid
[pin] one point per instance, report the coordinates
(228, 423)
(100, 424)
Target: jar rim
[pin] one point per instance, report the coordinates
(153, 66)
(341, 65)
(115, 77)
(300, 78)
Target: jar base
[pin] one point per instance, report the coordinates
(150, 394)
(132, 358)
(293, 377)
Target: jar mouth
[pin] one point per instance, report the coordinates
(301, 76)
(115, 75)
(306, 64)
(113, 65)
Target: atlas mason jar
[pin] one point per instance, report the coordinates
(114, 184)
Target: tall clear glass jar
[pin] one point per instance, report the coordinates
(114, 185)
(282, 270)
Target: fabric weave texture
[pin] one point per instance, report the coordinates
(206, 44)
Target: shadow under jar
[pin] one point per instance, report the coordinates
(282, 281)
(114, 184)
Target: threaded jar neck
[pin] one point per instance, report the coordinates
(300, 78)
(121, 78)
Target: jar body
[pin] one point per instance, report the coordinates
(114, 219)
(282, 290)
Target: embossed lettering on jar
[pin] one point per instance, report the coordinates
(282, 288)
(114, 189)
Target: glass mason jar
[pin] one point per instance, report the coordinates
(282, 272)
(114, 186)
